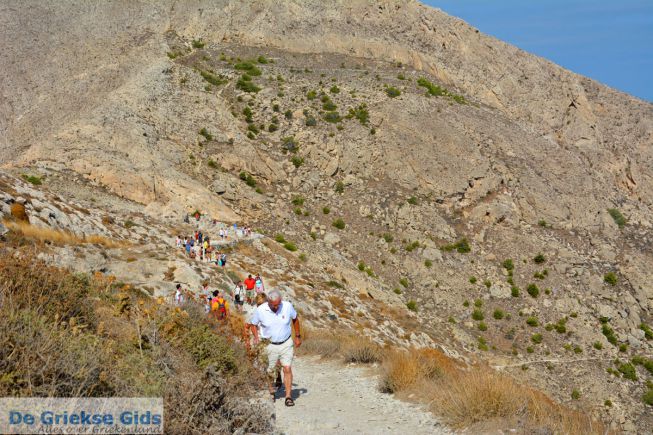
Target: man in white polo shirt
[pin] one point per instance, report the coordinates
(274, 318)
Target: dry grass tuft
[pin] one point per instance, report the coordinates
(358, 349)
(479, 395)
(58, 237)
(403, 370)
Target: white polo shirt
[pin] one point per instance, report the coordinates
(275, 326)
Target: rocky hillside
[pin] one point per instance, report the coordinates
(425, 183)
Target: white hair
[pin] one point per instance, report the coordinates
(274, 295)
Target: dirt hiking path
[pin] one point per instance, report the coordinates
(332, 398)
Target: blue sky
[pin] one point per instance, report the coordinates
(609, 41)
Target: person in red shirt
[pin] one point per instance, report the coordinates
(250, 283)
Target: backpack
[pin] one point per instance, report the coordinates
(219, 305)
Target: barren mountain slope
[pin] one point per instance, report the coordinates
(409, 125)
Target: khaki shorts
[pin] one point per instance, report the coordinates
(282, 353)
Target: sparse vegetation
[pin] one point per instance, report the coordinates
(339, 223)
(628, 371)
(297, 161)
(498, 314)
(461, 246)
(392, 92)
(477, 314)
(533, 290)
(435, 90)
(411, 305)
(360, 113)
(213, 79)
(532, 321)
(247, 178)
(339, 187)
(246, 84)
(610, 278)
(204, 132)
(539, 259)
(515, 292)
(33, 179)
(618, 218)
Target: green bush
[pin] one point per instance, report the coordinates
(477, 314)
(609, 334)
(213, 79)
(388, 238)
(339, 187)
(648, 332)
(249, 67)
(248, 179)
(280, 238)
(411, 305)
(246, 84)
(297, 161)
(482, 326)
(332, 117)
(472, 280)
(498, 314)
(647, 397)
(198, 43)
(290, 246)
(514, 291)
(628, 371)
(532, 321)
(487, 283)
(397, 291)
(575, 394)
(334, 89)
(33, 179)
(597, 345)
(404, 282)
(428, 263)
(311, 95)
(618, 218)
(360, 113)
(462, 246)
(262, 60)
(310, 121)
(392, 92)
(610, 278)
(537, 338)
(539, 259)
(339, 223)
(533, 290)
(212, 164)
(288, 114)
(435, 90)
(508, 264)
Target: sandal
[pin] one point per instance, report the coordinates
(289, 401)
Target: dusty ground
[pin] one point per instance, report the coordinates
(336, 399)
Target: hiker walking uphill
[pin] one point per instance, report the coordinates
(275, 320)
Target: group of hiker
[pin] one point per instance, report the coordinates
(270, 321)
(198, 246)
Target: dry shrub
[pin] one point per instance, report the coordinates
(358, 349)
(70, 335)
(58, 237)
(480, 395)
(337, 303)
(324, 344)
(403, 370)
(19, 212)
